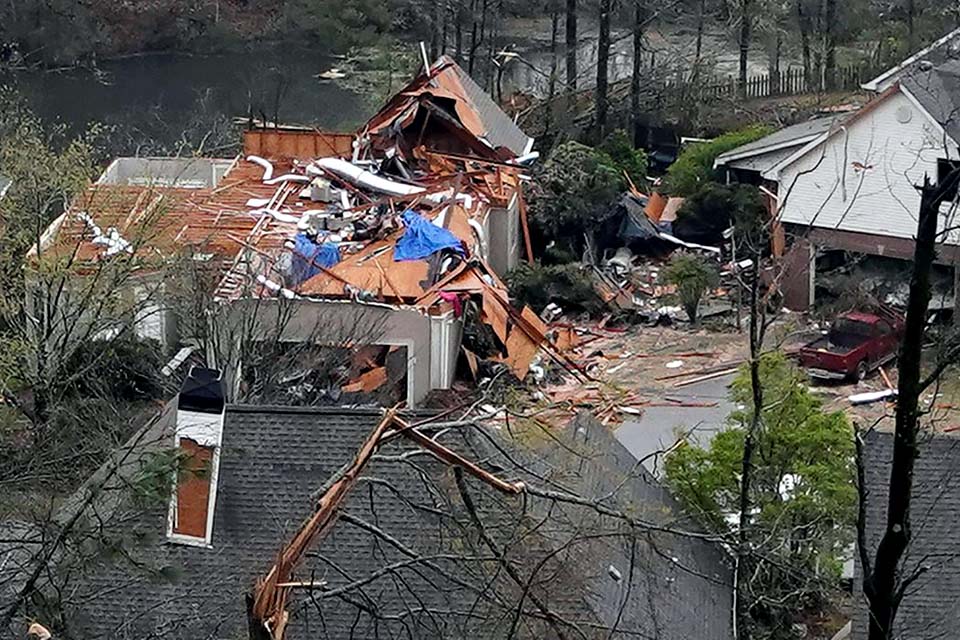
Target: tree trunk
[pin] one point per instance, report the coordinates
(883, 584)
(830, 46)
(445, 27)
(571, 27)
(458, 32)
(554, 66)
(639, 18)
(746, 471)
(473, 36)
(436, 30)
(603, 61)
(746, 8)
(701, 10)
(911, 30)
(803, 20)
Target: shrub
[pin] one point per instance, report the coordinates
(713, 207)
(567, 285)
(576, 190)
(621, 155)
(693, 276)
(694, 167)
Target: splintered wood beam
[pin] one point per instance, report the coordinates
(268, 609)
(453, 458)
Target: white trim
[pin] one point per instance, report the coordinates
(411, 363)
(529, 147)
(196, 541)
(875, 84)
(732, 156)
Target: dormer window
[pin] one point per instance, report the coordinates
(200, 409)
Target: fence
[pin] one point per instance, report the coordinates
(790, 82)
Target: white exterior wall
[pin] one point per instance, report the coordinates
(825, 189)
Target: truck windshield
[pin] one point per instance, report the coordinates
(849, 333)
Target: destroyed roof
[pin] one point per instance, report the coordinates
(782, 140)
(407, 513)
(940, 51)
(938, 92)
(925, 612)
(474, 108)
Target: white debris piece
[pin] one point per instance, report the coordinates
(674, 364)
(112, 240)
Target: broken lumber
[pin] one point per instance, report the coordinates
(709, 376)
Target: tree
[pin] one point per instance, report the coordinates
(570, 23)
(603, 69)
(694, 166)
(621, 155)
(884, 580)
(574, 193)
(693, 276)
(802, 494)
(714, 207)
(639, 22)
(746, 23)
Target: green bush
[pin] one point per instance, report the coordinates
(621, 155)
(694, 167)
(714, 207)
(693, 276)
(567, 285)
(576, 189)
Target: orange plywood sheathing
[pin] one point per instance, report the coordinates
(277, 143)
(655, 206)
(472, 361)
(193, 489)
(369, 381)
(525, 225)
(521, 350)
(495, 314)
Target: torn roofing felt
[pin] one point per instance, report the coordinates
(406, 557)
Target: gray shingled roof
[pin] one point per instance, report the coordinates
(798, 134)
(502, 131)
(938, 91)
(273, 459)
(928, 610)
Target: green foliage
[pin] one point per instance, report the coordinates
(694, 167)
(124, 369)
(337, 25)
(566, 284)
(798, 532)
(152, 485)
(693, 276)
(576, 188)
(621, 155)
(713, 207)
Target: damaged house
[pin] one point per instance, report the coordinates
(362, 523)
(396, 227)
(846, 184)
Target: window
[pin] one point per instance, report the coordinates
(948, 173)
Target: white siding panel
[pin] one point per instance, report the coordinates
(862, 179)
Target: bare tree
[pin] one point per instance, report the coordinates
(603, 69)
(570, 24)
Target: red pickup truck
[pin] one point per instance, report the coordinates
(855, 344)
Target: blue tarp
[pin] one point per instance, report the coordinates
(423, 238)
(308, 255)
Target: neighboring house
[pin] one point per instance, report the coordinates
(935, 509)
(942, 50)
(406, 557)
(848, 183)
(309, 221)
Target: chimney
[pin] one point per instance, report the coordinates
(199, 431)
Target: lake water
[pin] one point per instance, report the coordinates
(156, 97)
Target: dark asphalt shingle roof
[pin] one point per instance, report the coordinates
(928, 611)
(938, 91)
(273, 459)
